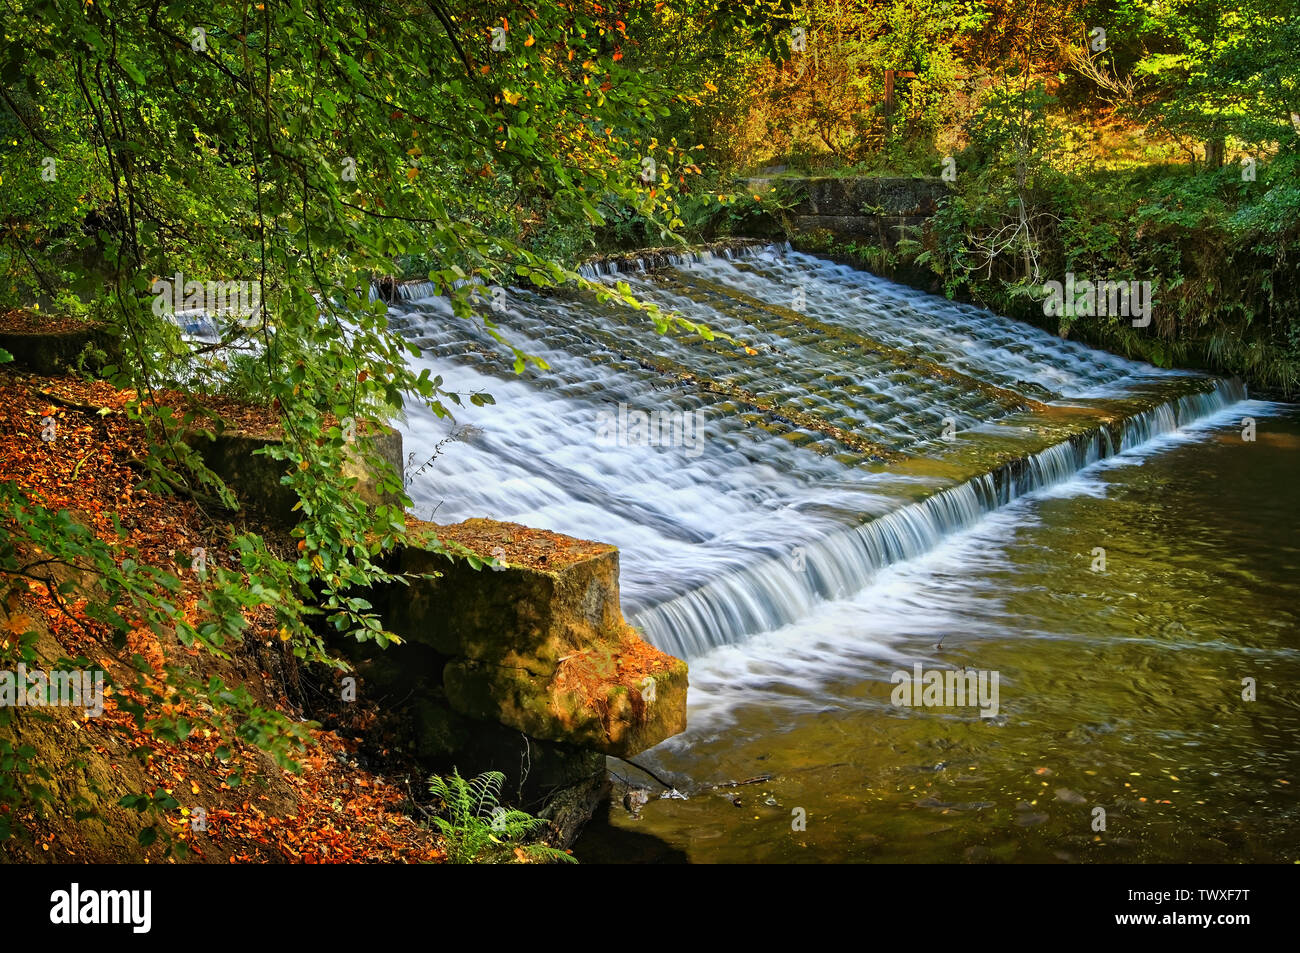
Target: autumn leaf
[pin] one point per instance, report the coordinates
(17, 624)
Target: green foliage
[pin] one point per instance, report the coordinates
(243, 374)
(157, 805)
(1214, 244)
(478, 829)
(24, 780)
(304, 150)
(1210, 69)
(879, 259)
(710, 215)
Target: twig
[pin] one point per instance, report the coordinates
(670, 787)
(75, 404)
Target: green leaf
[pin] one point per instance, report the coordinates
(131, 70)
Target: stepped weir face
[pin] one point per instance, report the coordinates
(852, 481)
(843, 423)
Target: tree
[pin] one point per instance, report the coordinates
(300, 148)
(1210, 69)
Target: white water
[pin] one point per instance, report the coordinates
(949, 591)
(751, 530)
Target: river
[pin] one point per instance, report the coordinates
(866, 480)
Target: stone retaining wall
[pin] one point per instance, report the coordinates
(875, 210)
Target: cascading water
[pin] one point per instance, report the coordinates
(847, 423)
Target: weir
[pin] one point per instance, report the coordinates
(844, 423)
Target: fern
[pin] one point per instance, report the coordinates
(477, 828)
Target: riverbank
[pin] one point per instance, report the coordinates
(1221, 253)
(211, 795)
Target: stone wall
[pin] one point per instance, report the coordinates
(875, 210)
(524, 665)
(255, 477)
(58, 351)
(538, 642)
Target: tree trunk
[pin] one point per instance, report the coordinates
(1214, 152)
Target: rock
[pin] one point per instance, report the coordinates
(404, 680)
(541, 645)
(58, 350)
(572, 807)
(1070, 797)
(1031, 820)
(859, 195)
(386, 289)
(382, 445)
(255, 477)
(534, 769)
(635, 799)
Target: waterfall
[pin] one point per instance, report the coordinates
(843, 424)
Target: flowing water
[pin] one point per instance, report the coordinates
(864, 478)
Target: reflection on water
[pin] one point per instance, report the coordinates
(1119, 689)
